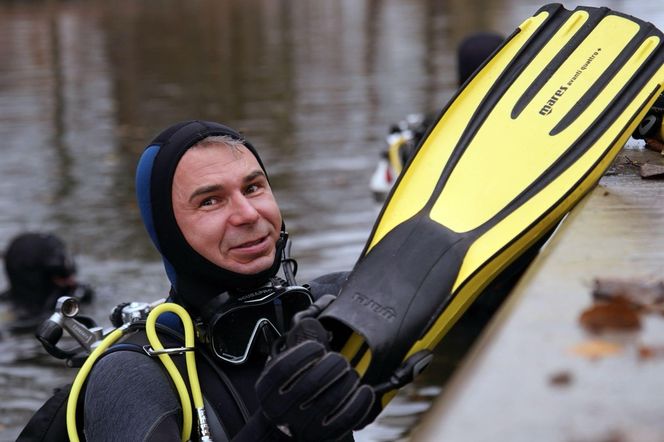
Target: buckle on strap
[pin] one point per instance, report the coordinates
(166, 351)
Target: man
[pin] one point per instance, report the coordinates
(39, 269)
(208, 206)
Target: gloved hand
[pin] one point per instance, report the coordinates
(313, 394)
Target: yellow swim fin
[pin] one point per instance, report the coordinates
(519, 145)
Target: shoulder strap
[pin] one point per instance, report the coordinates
(220, 395)
(223, 402)
(49, 423)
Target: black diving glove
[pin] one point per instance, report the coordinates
(313, 394)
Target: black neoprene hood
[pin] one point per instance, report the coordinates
(193, 277)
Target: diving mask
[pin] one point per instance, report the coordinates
(237, 322)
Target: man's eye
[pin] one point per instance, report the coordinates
(208, 202)
(251, 188)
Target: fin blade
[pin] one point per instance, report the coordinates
(494, 175)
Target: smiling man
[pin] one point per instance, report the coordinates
(208, 206)
(224, 205)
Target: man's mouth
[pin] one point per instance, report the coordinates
(249, 244)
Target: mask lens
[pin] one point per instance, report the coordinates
(234, 331)
(294, 301)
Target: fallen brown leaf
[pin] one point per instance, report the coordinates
(595, 349)
(650, 351)
(561, 378)
(613, 315)
(654, 144)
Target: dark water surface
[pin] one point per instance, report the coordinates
(313, 83)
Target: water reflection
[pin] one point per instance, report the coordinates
(314, 84)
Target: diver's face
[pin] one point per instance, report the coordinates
(225, 209)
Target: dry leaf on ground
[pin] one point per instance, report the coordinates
(596, 349)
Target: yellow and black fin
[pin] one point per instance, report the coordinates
(518, 146)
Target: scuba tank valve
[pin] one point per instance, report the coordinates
(83, 329)
(65, 318)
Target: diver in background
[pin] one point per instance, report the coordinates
(39, 270)
(651, 129)
(473, 51)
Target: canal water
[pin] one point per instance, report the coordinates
(315, 84)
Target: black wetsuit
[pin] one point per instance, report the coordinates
(129, 397)
(122, 404)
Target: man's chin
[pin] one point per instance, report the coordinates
(251, 268)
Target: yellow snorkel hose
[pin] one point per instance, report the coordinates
(158, 349)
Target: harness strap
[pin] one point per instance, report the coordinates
(220, 396)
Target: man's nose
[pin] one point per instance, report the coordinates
(243, 211)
